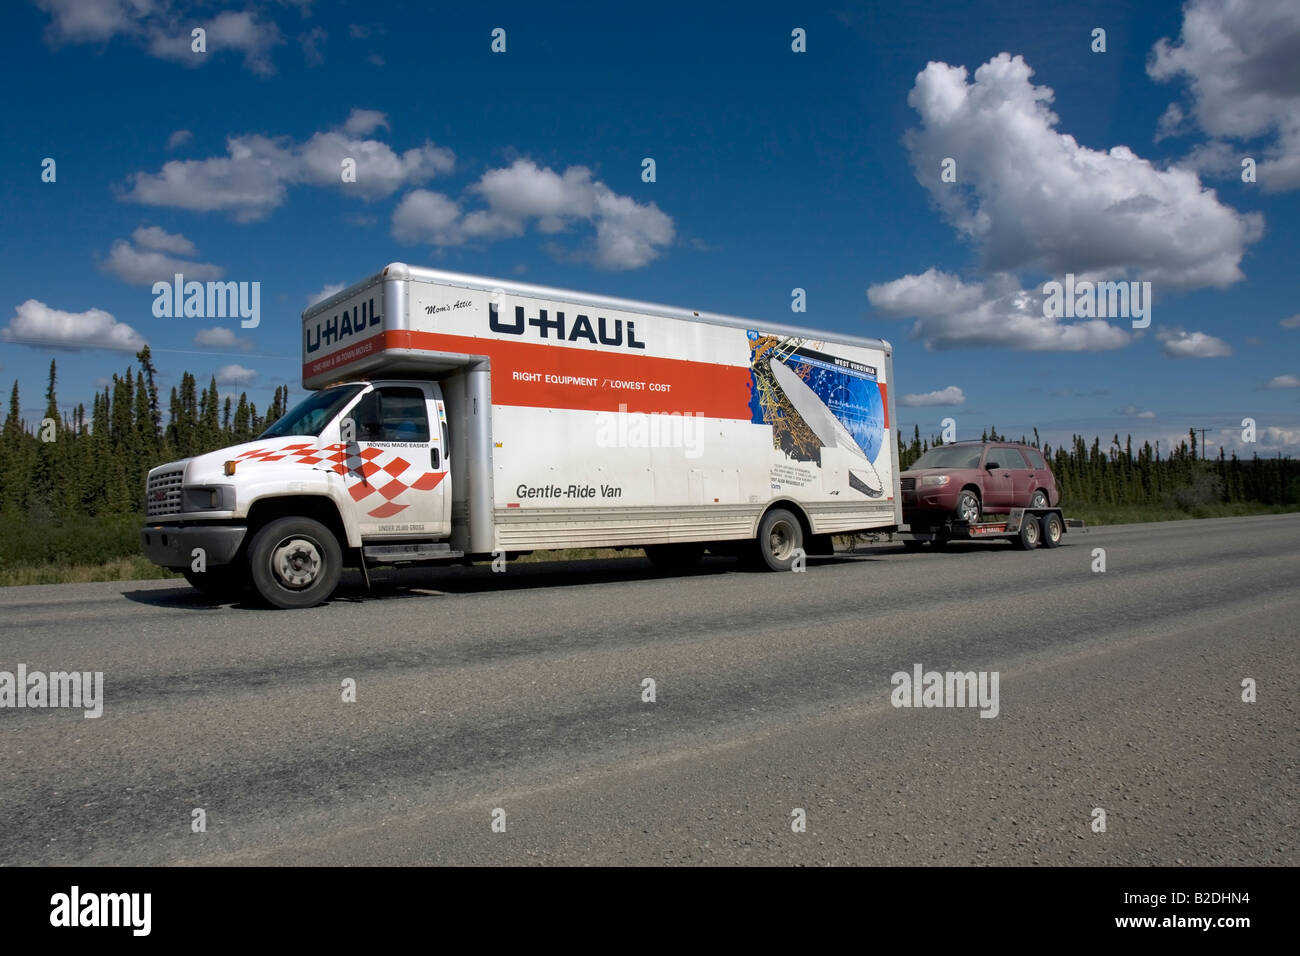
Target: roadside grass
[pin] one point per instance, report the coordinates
(106, 548)
(1139, 514)
(132, 568)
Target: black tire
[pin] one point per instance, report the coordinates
(968, 507)
(675, 558)
(912, 544)
(1053, 530)
(941, 542)
(295, 562)
(779, 536)
(224, 582)
(1031, 533)
(1039, 500)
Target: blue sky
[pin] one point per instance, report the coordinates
(774, 170)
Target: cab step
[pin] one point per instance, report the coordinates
(403, 553)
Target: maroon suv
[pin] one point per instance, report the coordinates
(966, 479)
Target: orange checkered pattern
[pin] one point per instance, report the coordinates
(357, 468)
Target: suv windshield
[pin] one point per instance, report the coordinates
(313, 413)
(949, 456)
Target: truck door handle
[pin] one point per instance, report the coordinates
(435, 458)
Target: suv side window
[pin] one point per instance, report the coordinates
(1016, 459)
(1005, 457)
(1001, 458)
(1035, 459)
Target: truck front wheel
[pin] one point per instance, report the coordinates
(295, 562)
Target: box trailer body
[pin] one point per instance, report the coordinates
(460, 415)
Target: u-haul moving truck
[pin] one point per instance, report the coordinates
(455, 417)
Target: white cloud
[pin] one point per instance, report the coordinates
(311, 42)
(326, 291)
(235, 375)
(35, 323)
(253, 178)
(952, 395)
(237, 31)
(380, 171)
(89, 21)
(221, 337)
(628, 234)
(364, 122)
(950, 313)
(159, 240)
(1179, 344)
(426, 216)
(147, 261)
(1292, 322)
(1274, 438)
(1284, 381)
(179, 138)
(1238, 60)
(1132, 411)
(163, 30)
(1031, 197)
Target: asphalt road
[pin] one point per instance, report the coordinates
(523, 691)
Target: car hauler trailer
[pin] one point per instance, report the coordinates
(454, 417)
(1027, 527)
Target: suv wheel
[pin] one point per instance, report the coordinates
(1039, 500)
(968, 506)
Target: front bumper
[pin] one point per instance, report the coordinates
(173, 547)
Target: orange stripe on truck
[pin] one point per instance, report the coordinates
(548, 376)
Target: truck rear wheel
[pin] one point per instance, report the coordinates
(295, 562)
(780, 536)
(675, 558)
(223, 582)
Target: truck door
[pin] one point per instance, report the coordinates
(397, 466)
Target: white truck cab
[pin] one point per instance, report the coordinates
(355, 462)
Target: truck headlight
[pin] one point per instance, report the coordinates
(208, 498)
(935, 480)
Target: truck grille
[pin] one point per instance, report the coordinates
(163, 495)
(907, 484)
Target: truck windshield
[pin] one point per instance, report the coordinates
(949, 456)
(313, 413)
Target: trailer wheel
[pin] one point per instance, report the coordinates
(1053, 530)
(675, 558)
(295, 562)
(222, 582)
(779, 536)
(1030, 533)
